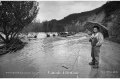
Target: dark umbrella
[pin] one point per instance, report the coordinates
(103, 29)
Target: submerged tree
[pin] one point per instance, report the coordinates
(14, 16)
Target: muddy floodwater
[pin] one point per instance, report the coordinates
(59, 57)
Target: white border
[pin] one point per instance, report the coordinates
(59, 0)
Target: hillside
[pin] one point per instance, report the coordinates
(108, 15)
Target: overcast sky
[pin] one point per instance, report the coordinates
(59, 9)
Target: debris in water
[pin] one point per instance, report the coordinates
(65, 67)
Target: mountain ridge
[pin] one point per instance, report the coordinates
(108, 15)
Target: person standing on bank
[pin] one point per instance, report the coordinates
(96, 42)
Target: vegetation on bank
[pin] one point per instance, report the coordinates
(13, 46)
(14, 16)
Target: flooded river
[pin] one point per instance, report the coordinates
(59, 57)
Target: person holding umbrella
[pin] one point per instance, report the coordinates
(96, 40)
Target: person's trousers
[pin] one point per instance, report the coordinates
(95, 54)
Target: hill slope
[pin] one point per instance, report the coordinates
(108, 15)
